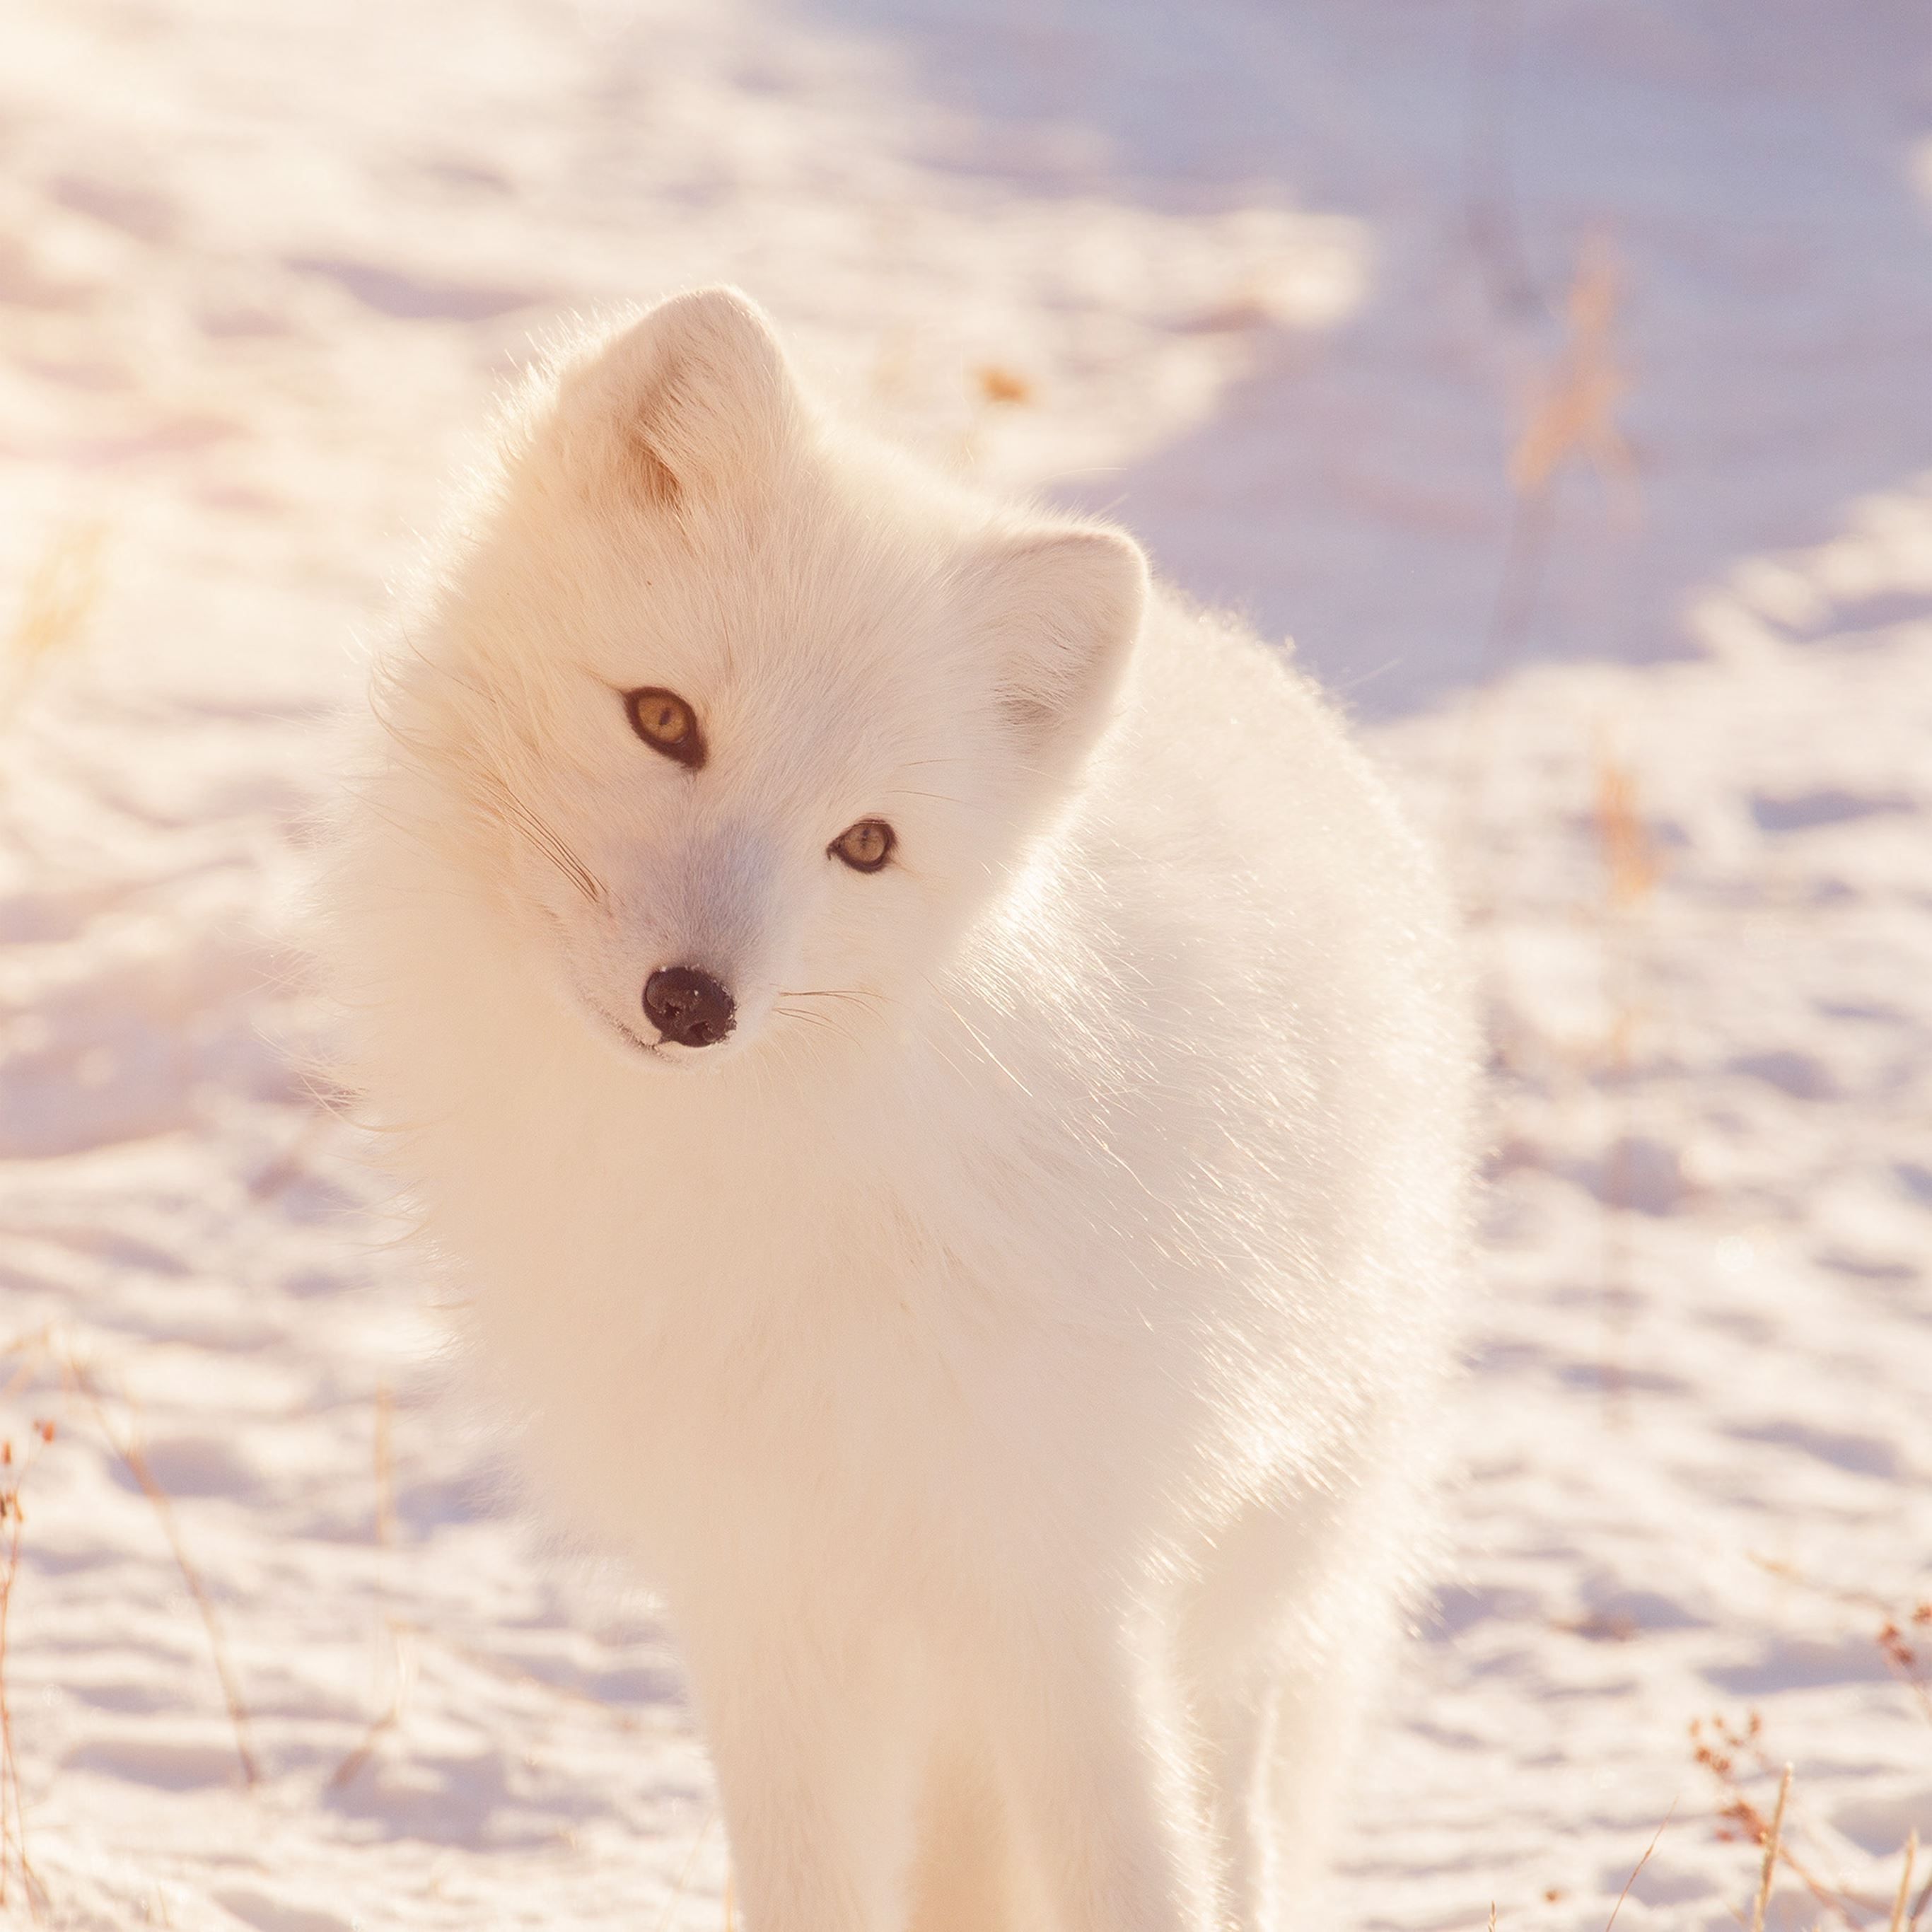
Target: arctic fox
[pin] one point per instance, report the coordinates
(944, 1076)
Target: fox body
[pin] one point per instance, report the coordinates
(942, 1078)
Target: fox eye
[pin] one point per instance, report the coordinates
(866, 846)
(666, 724)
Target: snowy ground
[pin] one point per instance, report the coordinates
(1283, 286)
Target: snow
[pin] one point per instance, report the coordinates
(1282, 287)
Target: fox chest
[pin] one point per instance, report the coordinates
(849, 1379)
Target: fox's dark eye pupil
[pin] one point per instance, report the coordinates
(866, 846)
(666, 724)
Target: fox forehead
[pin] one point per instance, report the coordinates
(828, 651)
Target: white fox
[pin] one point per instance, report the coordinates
(945, 1079)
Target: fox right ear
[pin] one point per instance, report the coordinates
(1062, 604)
(696, 393)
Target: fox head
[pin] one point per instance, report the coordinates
(739, 721)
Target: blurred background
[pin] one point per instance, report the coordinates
(1558, 372)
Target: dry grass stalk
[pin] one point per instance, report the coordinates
(404, 1672)
(1575, 410)
(60, 596)
(1904, 1655)
(1631, 873)
(385, 1465)
(13, 1814)
(1919, 1907)
(1907, 1656)
(1001, 386)
(409, 1638)
(1773, 1839)
(1636, 1870)
(994, 388)
(690, 1866)
(511, 1673)
(31, 1349)
(128, 1448)
(1490, 216)
(1629, 862)
(1743, 1818)
(1572, 414)
(287, 1166)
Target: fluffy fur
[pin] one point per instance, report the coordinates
(1013, 1353)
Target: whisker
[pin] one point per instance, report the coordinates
(490, 786)
(517, 813)
(552, 847)
(554, 843)
(870, 1003)
(814, 1019)
(857, 993)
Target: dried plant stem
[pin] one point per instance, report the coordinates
(1636, 1870)
(684, 1876)
(59, 597)
(129, 1450)
(402, 1663)
(13, 1813)
(1572, 415)
(1905, 1657)
(286, 1167)
(385, 1465)
(1773, 1839)
(1629, 876)
(13, 1825)
(32, 1348)
(1717, 1752)
(1898, 1904)
(1491, 217)
(13, 1820)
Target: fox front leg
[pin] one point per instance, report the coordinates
(812, 1779)
(1099, 1764)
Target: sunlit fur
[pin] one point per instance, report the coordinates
(1013, 1354)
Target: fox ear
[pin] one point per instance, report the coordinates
(696, 393)
(1063, 603)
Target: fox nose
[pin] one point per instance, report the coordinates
(688, 1006)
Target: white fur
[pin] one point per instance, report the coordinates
(1017, 1373)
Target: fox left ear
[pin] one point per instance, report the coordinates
(1063, 603)
(695, 395)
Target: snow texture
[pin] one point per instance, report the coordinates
(1554, 370)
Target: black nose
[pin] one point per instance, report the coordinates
(689, 1006)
